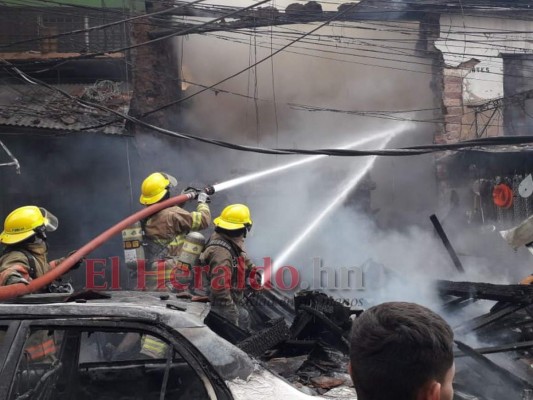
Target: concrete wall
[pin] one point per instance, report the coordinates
(472, 48)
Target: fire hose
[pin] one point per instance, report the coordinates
(19, 289)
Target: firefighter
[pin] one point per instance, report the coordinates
(25, 255)
(225, 252)
(25, 258)
(165, 231)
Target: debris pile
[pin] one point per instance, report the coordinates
(501, 367)
(304, 340)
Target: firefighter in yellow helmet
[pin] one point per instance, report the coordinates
(223, 252)
(25, 258)
(165, 231)
(25, 254)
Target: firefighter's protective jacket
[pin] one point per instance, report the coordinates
(168, 228)
(165, 233)
(40, 346)
(15, 262)
(225, 299)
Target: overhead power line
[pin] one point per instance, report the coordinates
(99, 27)
(348, 9)
(408, 151)
(148, 42)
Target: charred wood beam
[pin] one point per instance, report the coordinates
(267, 305)
(300, 323)
(511, 324)
(324, 319)
(266, 339)
(518, 294)
(224, 328)
(344, 345)
(522, 323)
(457, 304)
(301, 343)
(487, 319)
(444, 238)
(493, 369)
(500, 349)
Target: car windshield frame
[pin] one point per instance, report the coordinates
(18, 331)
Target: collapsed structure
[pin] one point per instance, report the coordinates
(305, 340)
(500, 367)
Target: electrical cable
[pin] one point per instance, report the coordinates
(407, 151)
(314, 110)
(362, 50)
(148, 42)
(266, 45)
(98, 27)
(253, 65)
(14, 162)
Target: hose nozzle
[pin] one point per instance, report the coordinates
(209, 190)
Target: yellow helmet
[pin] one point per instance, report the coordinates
(155, 187)
(23, 223)
(233, 217)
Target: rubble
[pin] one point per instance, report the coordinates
(304, 340)
(326, 382)
(502, 368)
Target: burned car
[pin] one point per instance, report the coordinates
(125, 345)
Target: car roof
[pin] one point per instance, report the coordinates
(149, 307)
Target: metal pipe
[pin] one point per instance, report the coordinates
(19, 289)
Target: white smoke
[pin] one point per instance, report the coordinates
(398, 234)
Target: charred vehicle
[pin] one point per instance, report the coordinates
(124, 345)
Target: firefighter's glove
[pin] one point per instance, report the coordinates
(16, 277)
(203, 198)
(78, 263)
(191, 190)
(528, 280)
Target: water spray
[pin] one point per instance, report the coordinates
(348, 186)
(11, 291)
(251, 177)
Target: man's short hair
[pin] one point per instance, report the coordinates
(396, 348)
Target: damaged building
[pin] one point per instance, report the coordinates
(467, 75)
(42, 128)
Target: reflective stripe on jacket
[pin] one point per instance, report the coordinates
(168, 228)
(153, 347)
(41, 349)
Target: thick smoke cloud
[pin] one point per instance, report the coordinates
(397, 233)
(283, 204)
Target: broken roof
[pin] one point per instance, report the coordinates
(37, 107)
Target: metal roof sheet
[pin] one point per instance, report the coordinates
(40, 108)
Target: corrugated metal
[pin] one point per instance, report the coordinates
(40, 108)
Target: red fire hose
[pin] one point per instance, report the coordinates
(19, 289)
